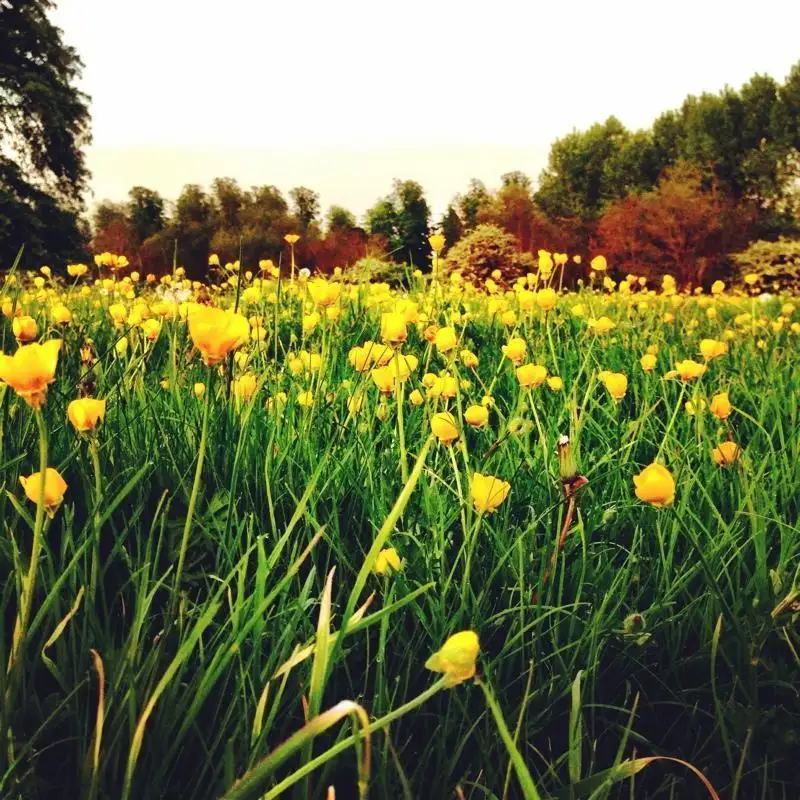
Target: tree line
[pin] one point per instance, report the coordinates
(703, 180)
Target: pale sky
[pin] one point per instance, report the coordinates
(343, 96)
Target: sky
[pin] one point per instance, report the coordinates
(346, 96)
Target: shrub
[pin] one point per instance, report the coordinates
(776, 263)
(481, 252)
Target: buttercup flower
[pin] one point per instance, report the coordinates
(476, 416)
(446, 339)
(688, 370)
(444, 427)
(25, 329)
(31, 370)
(725, 454)
(655, 485)
(599, 264)
(617, 384)
(515, 350)
(216, 332)
(648, 362)
(387, 561)
(488, 492)
(721, 405)
(711, 348)
(55, 488)
(456, 659)
(436, 241)
(85, 413)
(393, 327)
(531, 375)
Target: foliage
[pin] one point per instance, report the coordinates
(481, 252)
(208, 605)
(44, 124)
(677, 229)
(777, 264)
(305, 206)
(403, 219)
(744, 143)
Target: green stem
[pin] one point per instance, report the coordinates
(98, 495)
(19, 637)
(198, 474)
(401, 433)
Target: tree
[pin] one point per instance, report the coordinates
(678, 228)
(413, 222)
(228, 199)
(145, 212)
(451, 226)
(517, 179)
(340, 219)
(381, 220)
(44, 124)
(470, 204)
(305, 206)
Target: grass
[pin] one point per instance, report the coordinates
(213, 627)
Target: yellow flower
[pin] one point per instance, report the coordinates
(121, 347)
(456, 659)
(291, 238)
(599, 264)
(402, 365)
(393, 327)
(436, 242)
(61, 314)
(546, 299)
(446, 339)
(751, 279)
(387, 561)
(725, 454)
(469, 359)
(531, 375)
(199, 390)
(151, 329)
(555, 383)
(55, 488)
(76, 270)
(721, 405)
(216, 332)
(689, 370)
(324, 293)
(444, 427)
(384, 378)
(476, 416)
(617, 384)
(118, 313)
(578, 310)
(25, 329)
(515, 350)
(655, 485)
(488, 492)
(648, 362)
(718, 287)
(602, 325)
(416, 398)
(711, 348)
(244, 387)
(31, 370)
(310, 321)
(305, 399)
(692, 408)
(85, 413)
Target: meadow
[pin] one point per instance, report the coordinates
(308, 537)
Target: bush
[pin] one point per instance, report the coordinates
(776, 263)
(376, 270)
(484, 250)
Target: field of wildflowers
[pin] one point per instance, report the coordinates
(304, 537)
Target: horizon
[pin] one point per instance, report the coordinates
(350, 142)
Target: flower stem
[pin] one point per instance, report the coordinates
(198, 474)
(18, 642)
(98, 495)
